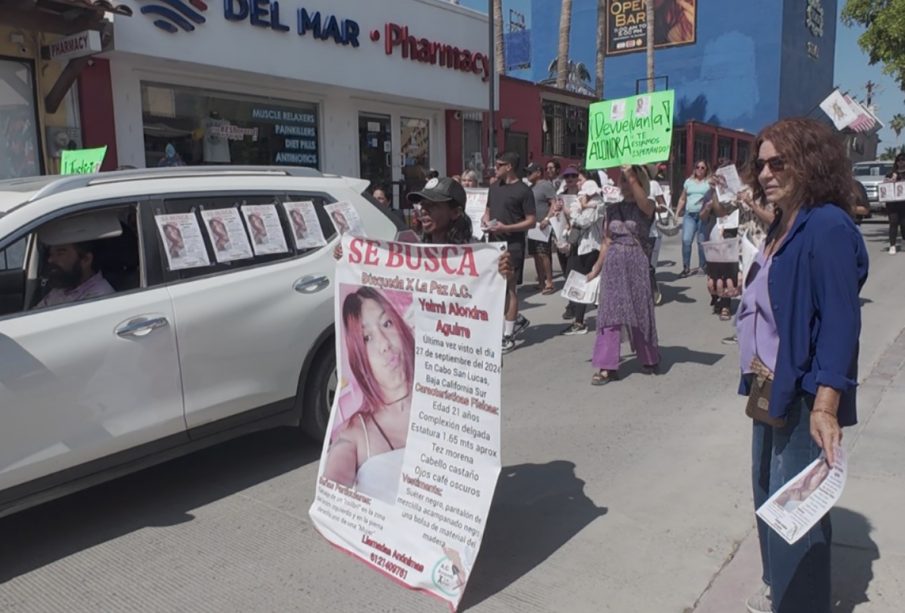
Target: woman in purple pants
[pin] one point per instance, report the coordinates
(626, 297)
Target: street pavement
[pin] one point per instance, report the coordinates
(634, 497)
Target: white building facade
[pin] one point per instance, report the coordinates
(346, 86)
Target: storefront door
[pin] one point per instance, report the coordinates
(375, 146)
(415, 140)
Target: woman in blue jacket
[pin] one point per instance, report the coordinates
(798, 329)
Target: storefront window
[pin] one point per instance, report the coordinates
(473, 143)
(565, 129)
(188, 126)
(20, 154)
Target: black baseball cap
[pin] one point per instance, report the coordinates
(532, 167)
(441, 190)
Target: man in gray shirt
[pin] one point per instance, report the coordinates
(544, 193)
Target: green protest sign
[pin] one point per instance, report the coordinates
(634, 130)
(82, 161)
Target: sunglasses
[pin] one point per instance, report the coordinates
(570, 176)
(701, 168)
(776, 164)
(501, 164)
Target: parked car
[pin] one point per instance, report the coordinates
(871, 174)
(154, 359)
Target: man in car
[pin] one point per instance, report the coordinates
(73, 275)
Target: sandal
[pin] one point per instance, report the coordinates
(602, 377)
(549, 290)
(725, 315)
(651, 369)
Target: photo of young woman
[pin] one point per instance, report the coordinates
(258, 229)
(175, 243)
(379, 366)
(220, 234)
(299, 227)
(339, 220)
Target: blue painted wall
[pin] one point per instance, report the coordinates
(805, 81)
(749, 66)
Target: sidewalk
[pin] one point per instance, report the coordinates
(868, 534)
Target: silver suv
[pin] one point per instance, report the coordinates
(871, 174)
(112, 359)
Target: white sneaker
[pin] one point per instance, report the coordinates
(760, 601)
(892, 251)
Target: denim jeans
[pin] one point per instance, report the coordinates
(799, 574)
(691, 228)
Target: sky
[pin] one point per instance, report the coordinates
(852, 72)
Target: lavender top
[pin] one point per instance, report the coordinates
(762, 339)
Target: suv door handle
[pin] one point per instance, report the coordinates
(141, 326)
(310, 284)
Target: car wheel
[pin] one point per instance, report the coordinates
(319, 393)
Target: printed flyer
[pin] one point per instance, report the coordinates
(345, 219)
(475, 205)
(412, 454)
(798, 505)
(227, 234)
(265, 228)
(306, 229)
(182, 241)
(578, 289)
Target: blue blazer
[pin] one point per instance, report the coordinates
(815, 279)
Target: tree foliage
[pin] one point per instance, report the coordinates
(884, 37)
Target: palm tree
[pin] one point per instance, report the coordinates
(649, 26)
(499, 51)
(890, 153)
(601, 48)
(897, 124)
(562, 58)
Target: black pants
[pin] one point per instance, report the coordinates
(896, 213)
(563, 262)
(583, 264)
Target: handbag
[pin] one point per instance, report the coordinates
(758, 406)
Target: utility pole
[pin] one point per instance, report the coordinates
(491, 141)
(870, 86)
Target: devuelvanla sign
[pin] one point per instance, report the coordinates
(634, 130)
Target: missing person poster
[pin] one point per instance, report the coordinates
(306, 228)
(634, 130)
(798, 505)
(889, 191)
(675, 23)
(345, 219)
(475, 205)
(263, 223)
(412, 452)
(182, 241)
(227, 234)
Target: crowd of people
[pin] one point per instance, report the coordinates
(798, 366)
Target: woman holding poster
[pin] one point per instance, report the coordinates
(798, 331)
(626, 296)
(368, 451)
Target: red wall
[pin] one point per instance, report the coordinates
(96, 110)
(519, 101)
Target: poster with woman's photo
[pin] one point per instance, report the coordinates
(798, 505)
(345, 219)
(182, 242)
(265, 229)
(306, 229)
(475, 206)
(227, 234)
(412, 452)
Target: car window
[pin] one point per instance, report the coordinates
(203, 235)
(13, 257)
(82, 256)
(872, 170)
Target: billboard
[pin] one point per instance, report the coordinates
(675, 24)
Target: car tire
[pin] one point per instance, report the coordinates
(320, 389)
